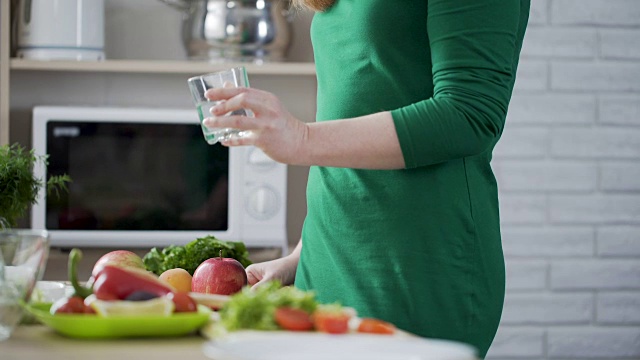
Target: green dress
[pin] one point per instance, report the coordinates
(420, 246)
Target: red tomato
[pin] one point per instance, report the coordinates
(293, 319)
(331, 322)
(72, 305)
(375, 326)
(89, 309)
(183, 302)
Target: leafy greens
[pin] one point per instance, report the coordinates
(254, 308)
(188, 257)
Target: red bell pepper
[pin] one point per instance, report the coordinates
(115, 283)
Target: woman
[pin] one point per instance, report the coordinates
(402, 219)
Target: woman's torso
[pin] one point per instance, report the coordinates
(419, 247)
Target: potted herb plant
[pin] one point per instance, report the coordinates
(19, 186)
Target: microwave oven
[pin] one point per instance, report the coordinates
(147, 177)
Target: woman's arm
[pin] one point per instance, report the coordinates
(365, 142)
(282, 269)
(474, 49)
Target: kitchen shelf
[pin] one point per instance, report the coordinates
(161, 67)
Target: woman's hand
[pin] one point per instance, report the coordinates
(283, 269)
(273, 129)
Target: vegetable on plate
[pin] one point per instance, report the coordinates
(121, 290)
(376, 326)
(254, 308)
(273, 307)
(293, 319)
(74, 304)
(332, 319)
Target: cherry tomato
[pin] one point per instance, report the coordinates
(293, 319)
(183, 302)
(72, 305)
(375, 326)
(331, 322)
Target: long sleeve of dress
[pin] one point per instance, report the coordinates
(474, 51)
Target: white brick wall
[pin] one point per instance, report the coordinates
(619, 241)
(620, 109)
(568, 170)
(618, 308)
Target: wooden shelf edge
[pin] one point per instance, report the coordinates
(161, 66)
(5, 29)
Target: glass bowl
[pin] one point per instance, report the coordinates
(23, 258)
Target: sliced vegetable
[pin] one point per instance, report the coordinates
(159, 306)
(375, 326)
(332, 319)
(254, 308)
(293, 319)
(114, 283)
(212, 301)
(71, 305)
(140, 296)
(183, 302)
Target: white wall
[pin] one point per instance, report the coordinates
(568, 170)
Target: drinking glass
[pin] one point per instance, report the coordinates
(198, 85)
(23, 258)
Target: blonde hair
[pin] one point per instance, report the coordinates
(316, 5)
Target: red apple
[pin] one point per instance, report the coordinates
(119, 258)
(224, 276)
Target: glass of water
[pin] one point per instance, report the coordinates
(198, 85)
(23, 258)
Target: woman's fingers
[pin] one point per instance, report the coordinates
(257, 281)
(232, 99)
(241, 139)
(224, 93)
(254, 275)
(252, 279)
(271, 128)
(239, 122)
(260, 283)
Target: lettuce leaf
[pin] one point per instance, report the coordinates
(188, 257)
(255, 308)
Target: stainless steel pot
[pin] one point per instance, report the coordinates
(235, 30)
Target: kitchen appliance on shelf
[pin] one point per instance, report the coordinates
(60, 29)
(235, 30)
(147, 177)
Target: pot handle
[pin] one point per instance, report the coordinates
(177, 4)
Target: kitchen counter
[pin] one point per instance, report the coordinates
(35, 342)
(31, 342)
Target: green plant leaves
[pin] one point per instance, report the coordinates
(18, 185)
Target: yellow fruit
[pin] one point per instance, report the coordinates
(179, 278)
(161, 306)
